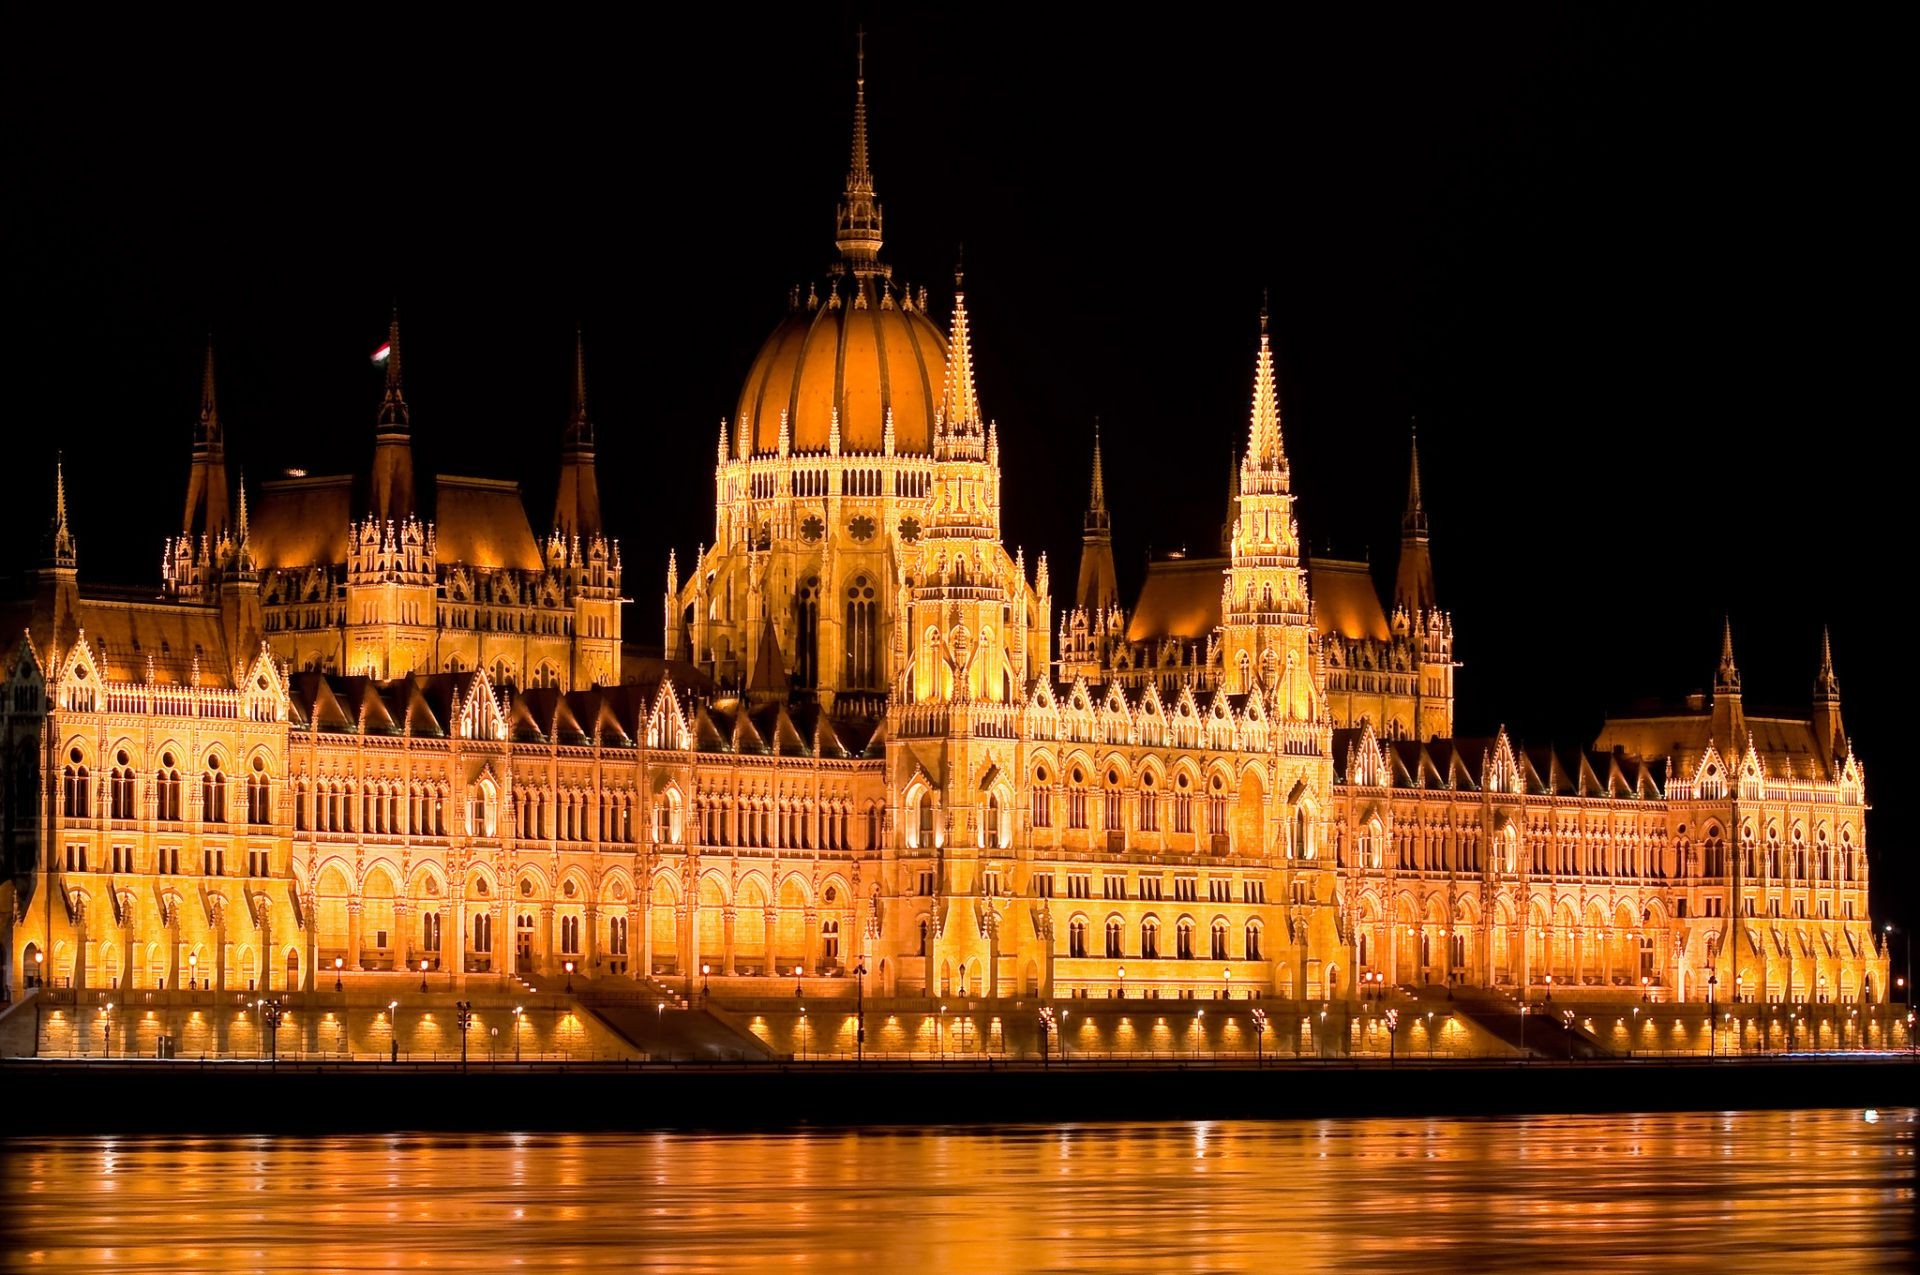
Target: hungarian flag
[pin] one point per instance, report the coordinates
(380, 355)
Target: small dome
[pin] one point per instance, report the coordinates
(866, 353)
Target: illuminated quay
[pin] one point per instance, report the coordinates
(375, 773)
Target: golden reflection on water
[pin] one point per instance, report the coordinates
(1764, 1191)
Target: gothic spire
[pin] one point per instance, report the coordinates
(1413, 590)
(392, 486)
(959, 420)
(1829, 731)
(857, 229)
(1727, 676)
(1415, 519)
(1098, 589)
(576, 504)
(61, 550)
(393, 408)
(206, 507)
(1265, 467)
(1097, 501)
(1825, 684)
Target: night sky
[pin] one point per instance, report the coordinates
(1624, 267)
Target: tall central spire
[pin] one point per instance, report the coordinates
(959, 417)
(576, 505)
(1413, 590)
(393, 442)
(857, 228)
(1264, 470)
(1097, 498)
(206, 509)
(1098, 590)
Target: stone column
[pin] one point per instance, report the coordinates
(590, 941)
(644, 907)
(404, 917)
(812, 941)
(219, 948)
(353, 933)
(636, 968)
(1526, 956)
(457, 922)
(1579, 963)
(543, 959)
(79, 979)
(726, 959)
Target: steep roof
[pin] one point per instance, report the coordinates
(1181, 598)
(482, 522)
(302, 522)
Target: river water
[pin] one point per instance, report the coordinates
(1818, 1190)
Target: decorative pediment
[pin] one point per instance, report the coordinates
(79, 679)
(1502, 772)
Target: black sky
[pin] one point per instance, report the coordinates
(1626, 266)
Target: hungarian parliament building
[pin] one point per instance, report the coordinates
(370, 721)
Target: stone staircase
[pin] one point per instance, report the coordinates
(1542, 1031)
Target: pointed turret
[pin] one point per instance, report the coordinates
(206, 512)
(1729, 719)
(576, 507)
(1264, 469)
(857, 227)
(958, 430)
(1827, 726)
(62, 552)
(392, 495)
(1233, 501)
(1413, 590)
(1099, 588)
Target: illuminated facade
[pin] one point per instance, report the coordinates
(380, 722)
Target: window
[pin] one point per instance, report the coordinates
(1042, 800)
(1220, 940)
(925, 829)
(1183, 938)
(1150, 887)
(1112, 803)
(990, 882)
(1182, 805)
(1253, 891)
(926, 883)
(1217, 807)
(122, 859)
(1149, 939)
(862, 636)
(1800, 909)
(258, 790)
(569, 935)
(992, 838)
(76, 858)
(1184, 889)
(120, 788)
(1773, 907)
(1115, 933)
(75, 785)
(1043, 886)
(1714, 906)
(430, 931)
(1826, 910)
(1219, 889)
(259, 863)
(1113, 886)
(213, 793)
(617, 936)
(806, 634)
(1149, 805)
(1079, 885)
(923, 938)
(830, 941)
(213, 861)
(1253, 940)
(1680, 909)
(1077, 800)
(168, 784)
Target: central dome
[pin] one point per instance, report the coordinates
(865, 351)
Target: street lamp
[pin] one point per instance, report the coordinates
(1738, 980)
(519, 1016)
(803, 1032)
(1525, 1053)
(339, 963)
(1259, 1037)
(705, 970)
(1713, 1020)
(860, 1009)
(1566, 1018)
(270, 1011)
(797, 993)
(423, 973)
(106, 1031)
(193, 971)
(1122, 972)
(1065, 1014)
(569, 976)
(1046, 1028)
(1646, 985)
(393, 1030)
(1393, 1035)
(464, 1013)
(1226, 979)
(1549, 987)
(939, 1026)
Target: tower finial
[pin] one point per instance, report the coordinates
(1727, 677)
(206, 432)
(959, 417)
(1097, 503)
(1415, 519)
(858, 229)
(1825, 684)
(1265, 465)
(393, 408)
(61, 551)
(579, 425)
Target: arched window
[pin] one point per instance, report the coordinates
(923, 821)
(213, 793)
(1220, 939)
(259, 791)
(862, 636)
(1182, 803)
(1217, 807)
(991, 837)
(168, 785)
(1149, 939)
(1184, 936)
(570, 935)
(1253, 940)
(1077, 799)
(1116, 937)
(483, 932)
(1042, 799)
(1077, 937)
(503, 674)
(1112, 808)
(75, 786)
(806, 634)
(1149, 804)
(120, 787)
(830, 941)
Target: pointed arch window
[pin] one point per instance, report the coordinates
(120, 787)
(862, 636)
(75, 784)
(1220, 939)
(259, 794)
(1116, 938)
(213, 793)
(806, 634)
